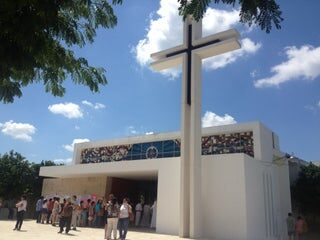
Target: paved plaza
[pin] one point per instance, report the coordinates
(33, 231)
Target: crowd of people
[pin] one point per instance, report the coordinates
(70, 213)
(109, 214)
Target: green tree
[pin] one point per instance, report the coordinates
(19, 176)
(38, 180)
(35, 41)
(264, 13)
(16, 175)
(36, 37)
(306, 191)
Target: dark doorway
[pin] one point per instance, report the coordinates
(134, 189)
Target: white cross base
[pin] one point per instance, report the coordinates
(190, 55)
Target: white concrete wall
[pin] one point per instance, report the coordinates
(243, 198)
(256, 225)
(168, 210)
(264, 143)
(74, 186)
(223, 197)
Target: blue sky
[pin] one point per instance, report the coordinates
(274, 78)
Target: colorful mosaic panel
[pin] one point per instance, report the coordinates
(136, 151)
(215, 144)
(228, 143)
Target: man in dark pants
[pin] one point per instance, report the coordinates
(22, 207)
(38, 209)
(66, 214)
(11, 209)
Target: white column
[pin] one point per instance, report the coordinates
(195, 150)
(184, 156)
(195, 139)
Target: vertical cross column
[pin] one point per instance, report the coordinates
(190, 174)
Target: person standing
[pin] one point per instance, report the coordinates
(38, 209)
(138, 214)
(74, 213)
(50, 208)
(113, 216)
(55, 211)
(22, 208)
(145, 222)
(105, 204)
(98, 215)
(91, 214)
(10, 208)
(301, 228)
(44, 211)
(290, 226)
(83, 214)
(154, 214)
(65, 217)
(125, 210)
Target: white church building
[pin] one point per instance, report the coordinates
(245, 190)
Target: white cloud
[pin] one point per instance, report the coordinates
(165, 31)
(254, 73)
(211, 119)
(132, 130)
(69, 110)
(220, 61)
(315, 108)
(65, 161)
(21, 131)
(93, 105)
(69, 147)
(302, 63)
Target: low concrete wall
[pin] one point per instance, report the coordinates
(74, 186)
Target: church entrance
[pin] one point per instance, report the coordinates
(134, 189)
(137, 190)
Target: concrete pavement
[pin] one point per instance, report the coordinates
(33, 231)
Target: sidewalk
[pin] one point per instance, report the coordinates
(33, 231)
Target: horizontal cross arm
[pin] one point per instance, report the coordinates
(169, 62)
(163, 54)
(218, 48)
(221, 36)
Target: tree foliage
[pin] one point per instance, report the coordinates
(306, 191)
(264, 13)
(35, 41)
(19, 176)
(36, 37)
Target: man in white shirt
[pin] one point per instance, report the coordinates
(138, 214)
(22, 207)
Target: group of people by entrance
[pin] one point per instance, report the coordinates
(114, 216)
(297, 228)
(145, 214)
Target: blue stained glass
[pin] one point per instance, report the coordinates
(168, 146)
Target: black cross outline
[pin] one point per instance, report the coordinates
(189, 50)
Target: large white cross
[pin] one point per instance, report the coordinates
(190, 54)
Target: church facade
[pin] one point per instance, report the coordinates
(245, 193)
